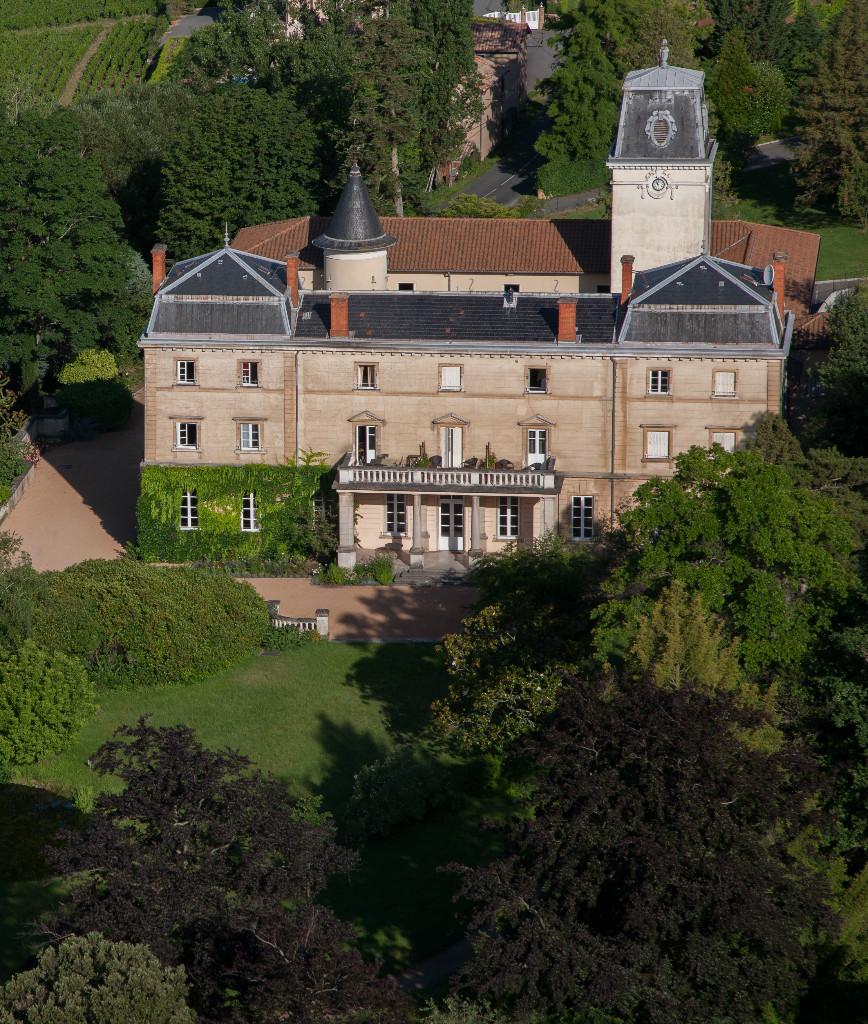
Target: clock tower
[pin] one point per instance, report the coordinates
(661, 167)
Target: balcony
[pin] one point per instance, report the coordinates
(471, 478)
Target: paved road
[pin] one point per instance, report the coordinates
(184, 27)
(514, 174)
(776, 152)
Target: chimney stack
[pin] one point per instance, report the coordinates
(566, 320)
(292, 278)
(780, 264)
(340, 315)
(626, 279)
(158, 265)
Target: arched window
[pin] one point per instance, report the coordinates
(189, 510)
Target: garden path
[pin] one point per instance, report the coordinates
(372, 613)
(82, 500)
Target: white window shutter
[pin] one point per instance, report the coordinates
(724, 382)
(658, 444)
(725, 438)
(450, 378)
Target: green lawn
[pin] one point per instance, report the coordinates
(769, 196)
(313, 717)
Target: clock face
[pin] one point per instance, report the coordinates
(658, 186)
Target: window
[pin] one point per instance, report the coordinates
(657, 444)
(511, 289)
(451, 446)
(507, 517)
(724, 383)
(406, 286)
(189, 510)
(658, 382)
(450, 378)
(582, 517)
(725, 438)
(537, 446)
(366, 443)
(603, 289)
(366, 376)
(249, 514)
(250, 437)
(537, 380)
(185, 371)
(249, 374)
(186, 435)
(396, 515)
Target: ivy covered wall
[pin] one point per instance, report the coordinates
(284, 503)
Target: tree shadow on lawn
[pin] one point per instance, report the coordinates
(31, 818)
(348, 750)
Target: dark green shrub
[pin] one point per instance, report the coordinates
(12, 461)
(144, 625)
(563, 176)
(336, 575)
(107, 402)
(44, 698)
(381, 569)
(288, 524)
(288, 638)
(402, 787)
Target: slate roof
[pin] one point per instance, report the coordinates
(471, 245)
(355, 225)
(223, 293)
(457, 317)
(720, 303)
(492, 36)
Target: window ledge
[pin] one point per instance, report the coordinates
(186, 383)
(248, 387)
(188, 529)
(659, 394)
(393, 536)
(450, 390)
(730, 397)
(537, 391)
(250, 451)
(185, 448)
(656, 458)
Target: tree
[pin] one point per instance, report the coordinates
(89, 980)
(469, 205)
(45, 697)
(750, 99)
(584, 89)
(763, 22)
(803, 45)
(833, 127)
(653, 880)
(653, 20)
(853, 193)
(65, 267)
(506, 664)
(844, 410)
(255, 151)
(208, 862)
(773, 557)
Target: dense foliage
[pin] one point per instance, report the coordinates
(123, 57)
(289, 524)
(89, 980)
(44, 698)
(653, 881)
(142, 625)
(61, 12)
(235, 902)
(35, 66)
(90, 364)
(107, 403)
(843, 411)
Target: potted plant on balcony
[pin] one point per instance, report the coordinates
(490, 460)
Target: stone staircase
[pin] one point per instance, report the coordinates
(452, 574)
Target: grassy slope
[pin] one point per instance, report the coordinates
(313, 717)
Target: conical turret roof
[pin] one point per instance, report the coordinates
(354, 226)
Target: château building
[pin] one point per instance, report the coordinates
(476, 383)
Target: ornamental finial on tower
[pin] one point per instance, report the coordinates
(664, 54)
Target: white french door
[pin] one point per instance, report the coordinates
(366, 444)
(537, 446)
(451, 524)
(451, 447)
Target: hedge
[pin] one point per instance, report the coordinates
(564, 176)
(144, 625)
(107, 402)
(90, 364)
(284, 502)
(45, 697)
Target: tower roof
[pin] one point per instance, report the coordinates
(663, 115)
(354, 226)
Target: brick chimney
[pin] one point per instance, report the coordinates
(626, 279)
(779, 261)
(566, 320)
(340, 315)
(292, 278)
(158, 265)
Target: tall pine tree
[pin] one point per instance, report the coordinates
(763, 22)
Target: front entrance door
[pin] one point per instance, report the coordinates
(451, 524)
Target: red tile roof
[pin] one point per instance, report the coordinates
(812, 332)
(477, 245)
(492, 36)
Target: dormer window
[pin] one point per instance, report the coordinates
(660, 128)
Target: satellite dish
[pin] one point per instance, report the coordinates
(769, 276)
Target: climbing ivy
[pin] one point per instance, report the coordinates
(284, 503)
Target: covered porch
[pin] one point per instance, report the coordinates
(423, 515)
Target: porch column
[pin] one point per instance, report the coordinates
(417, 552)
(475, 532)
(346, 530)
(548, 521)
